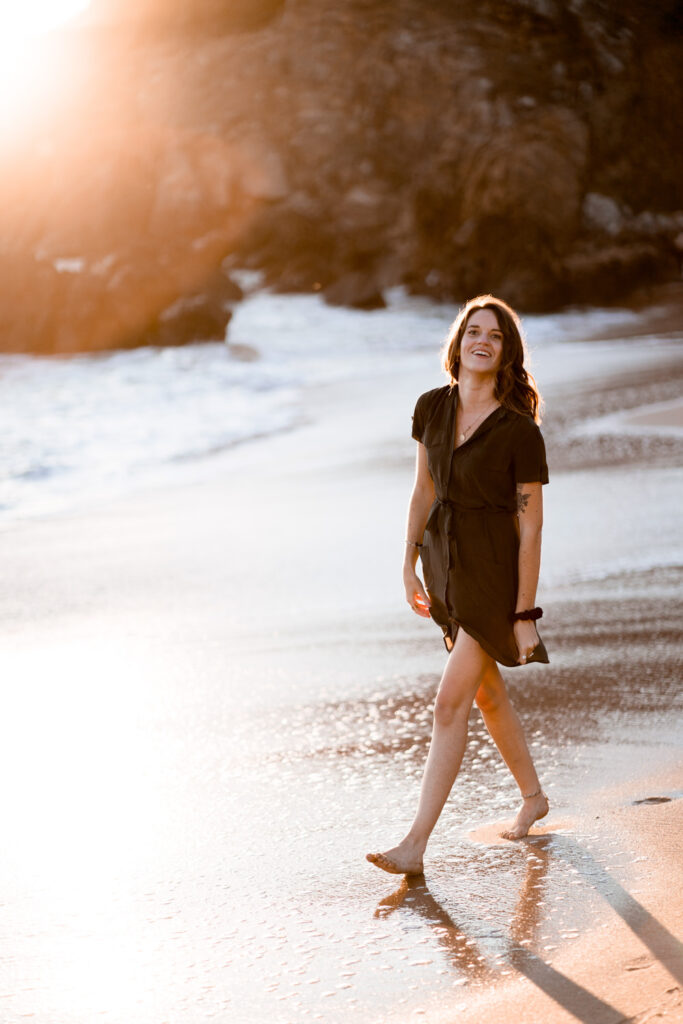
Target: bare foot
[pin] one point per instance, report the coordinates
(533, 809)
(404, 859)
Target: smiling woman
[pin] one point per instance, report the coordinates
(474, 519)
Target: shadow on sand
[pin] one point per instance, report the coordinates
(463, 954)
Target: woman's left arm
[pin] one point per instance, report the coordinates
(530, 517)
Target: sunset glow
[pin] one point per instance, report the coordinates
(26, 66)
(35, 16)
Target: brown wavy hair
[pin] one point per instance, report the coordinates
(515, 387)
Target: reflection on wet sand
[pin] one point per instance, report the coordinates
(528, 912)
(462, 950)
(462, 946)
(616, 644)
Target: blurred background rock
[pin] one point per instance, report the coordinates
(531, 148)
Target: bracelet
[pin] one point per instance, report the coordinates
(413, 544)
(530, 613)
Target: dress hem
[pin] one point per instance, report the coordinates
(539, 655)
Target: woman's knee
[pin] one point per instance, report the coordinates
(465, 669)
(491, 694)
(454, 700)
(447, 708)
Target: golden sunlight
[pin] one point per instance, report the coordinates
(34, 16)
(26, 62)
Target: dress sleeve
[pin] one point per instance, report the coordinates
(419, 417)
(528, 457)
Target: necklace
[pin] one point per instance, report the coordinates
(462, 436)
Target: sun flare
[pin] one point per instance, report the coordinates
(26, 55)
(32, 17)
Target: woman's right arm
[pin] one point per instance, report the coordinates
(420, 503)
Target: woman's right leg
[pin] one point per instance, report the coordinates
(461, 679)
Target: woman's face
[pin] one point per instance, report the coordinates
(481, 348)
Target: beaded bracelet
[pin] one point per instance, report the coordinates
(413, 544)
(530, 613)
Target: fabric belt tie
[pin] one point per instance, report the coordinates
(455, 506)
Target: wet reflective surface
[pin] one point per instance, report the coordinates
(189, 847)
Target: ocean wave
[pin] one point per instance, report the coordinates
(92, 426)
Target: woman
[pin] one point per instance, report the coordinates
(475, 518)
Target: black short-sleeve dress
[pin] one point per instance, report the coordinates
(471, 541)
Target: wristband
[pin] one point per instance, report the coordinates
(530, 613)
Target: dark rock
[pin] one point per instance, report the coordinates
(355, 289)
(607, 274)
(527, 288)
(194, 318)
(221, 288)
(295, 249)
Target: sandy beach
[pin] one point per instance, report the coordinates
(216, 700)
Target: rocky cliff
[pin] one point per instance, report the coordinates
(531, 148)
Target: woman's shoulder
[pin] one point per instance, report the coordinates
(430, 412)
(432, 399)
(527, 449)
(523, 424)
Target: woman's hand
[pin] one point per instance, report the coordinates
(416, 595)
(526, 637)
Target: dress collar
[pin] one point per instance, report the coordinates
(490, 421)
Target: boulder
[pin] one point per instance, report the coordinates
(357, 290)
(191, 318)
(118, 232)
(221, 288)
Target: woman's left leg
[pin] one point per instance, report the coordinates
(459, 683)
(507, 733)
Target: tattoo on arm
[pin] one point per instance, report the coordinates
(522, 502)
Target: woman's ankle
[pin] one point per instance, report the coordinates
(417, 839)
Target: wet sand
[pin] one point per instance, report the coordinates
(626, 964)
(668, 415)
(216, 700)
